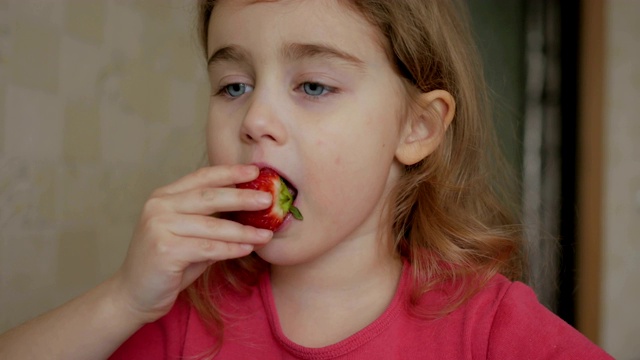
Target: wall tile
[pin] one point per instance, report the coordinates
(146, 91)
(112, 239)
(24, 189)
(128, 186)
(160, 11)
(48, 13)
(186, 57)
(5, 49)
(46, 197)
(81, 132)
(77, 249)
(83, 191)
(183, 97)
(122, 134)
(33, 61)
(183, 54)
(82, 69)
(123, 31)
(2, 117)
(85, 20)
(27, 259)
(33, 124)
(93, 119)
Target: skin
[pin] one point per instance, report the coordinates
(332, 126)
(317, 142)
(343, 149)
(173, 243)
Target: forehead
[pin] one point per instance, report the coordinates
(270, 23)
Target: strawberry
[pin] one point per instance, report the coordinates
(268, 181)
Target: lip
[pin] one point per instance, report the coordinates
(288, 219)
(282, 174)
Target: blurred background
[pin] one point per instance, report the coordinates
(103, 101)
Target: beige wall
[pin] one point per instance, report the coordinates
(620, 323)
(100, 102)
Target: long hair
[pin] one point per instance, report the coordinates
(450, 215)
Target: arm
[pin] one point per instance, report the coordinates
(174, 242)
(91, 326)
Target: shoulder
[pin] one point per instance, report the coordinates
(519, 326)
(505, 320)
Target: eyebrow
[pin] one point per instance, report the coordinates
(292, 52)
(230, 54)
(296, 52)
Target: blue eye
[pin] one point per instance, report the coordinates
(314, 89)
(237, 89)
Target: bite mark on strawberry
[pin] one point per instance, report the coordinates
(283, 196)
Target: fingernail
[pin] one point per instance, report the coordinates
(247, 247)
(264, 199)
(264, 234)
(253, 170)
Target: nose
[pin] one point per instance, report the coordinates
(263, 122)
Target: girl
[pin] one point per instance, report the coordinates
(374, 113)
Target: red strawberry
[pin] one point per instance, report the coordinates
(268, 181)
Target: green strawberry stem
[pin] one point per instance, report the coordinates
(295, 212)
(285, 200)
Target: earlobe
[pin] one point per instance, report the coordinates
(425, 129)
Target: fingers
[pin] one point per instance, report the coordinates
(176, 237)
(207, 191)
(192, 272)
(217, 176)
(196, 250)
(197, 254)
(215, 229)
(213, 200)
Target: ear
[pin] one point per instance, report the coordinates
(425, 128)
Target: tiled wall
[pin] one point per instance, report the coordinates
(100, 103)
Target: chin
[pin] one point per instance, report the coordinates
(283, 252)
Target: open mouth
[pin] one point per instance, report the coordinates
(292, 189)
(282, 209)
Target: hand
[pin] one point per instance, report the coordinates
(177, 238)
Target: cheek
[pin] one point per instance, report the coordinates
(322, 146)
(221, 145)
(357, 142)
(349, 168)
(215, 156)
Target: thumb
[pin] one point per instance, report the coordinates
(192, 272)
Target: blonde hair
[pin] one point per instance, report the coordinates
(447, 214)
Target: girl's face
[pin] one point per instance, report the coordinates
(305, 87)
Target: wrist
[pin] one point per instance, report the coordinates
(118, 304)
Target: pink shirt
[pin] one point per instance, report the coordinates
(503, 321)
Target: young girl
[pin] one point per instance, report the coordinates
(374, 113)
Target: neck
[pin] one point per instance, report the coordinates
(361, 263)
(336, 295)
